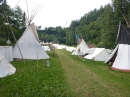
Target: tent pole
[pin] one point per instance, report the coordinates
(17, 43)
(14, 35)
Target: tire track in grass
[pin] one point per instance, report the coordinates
(82, 81)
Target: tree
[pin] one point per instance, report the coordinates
(14, 18)
(123, 6)
(109, 27)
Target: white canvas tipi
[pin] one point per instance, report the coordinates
(120, 57)
(28, 46)
(82, 48)
(5, 67)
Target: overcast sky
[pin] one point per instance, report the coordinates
(58, 12)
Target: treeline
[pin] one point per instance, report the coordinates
(99, 26)
(53, 34)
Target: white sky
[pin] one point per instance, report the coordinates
(58, 12)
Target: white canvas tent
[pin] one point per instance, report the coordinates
(70, 49)
(6, 68)
(81, 49)
(120, 57)
(99, 54)
(6, 52)
(46, 48)
(29, 46)
(60, 46)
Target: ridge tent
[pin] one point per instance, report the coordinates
(82, 46)
(99, 54)
(121, 54)
(28, 46)
(5, 67)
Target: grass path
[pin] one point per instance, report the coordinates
(84, 82)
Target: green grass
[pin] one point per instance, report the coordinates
(67, 76)
(35, 79)
(89, 78)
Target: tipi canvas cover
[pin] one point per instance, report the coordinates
(99, 54)
(121, 53)
(6, 52)
(29, 46)
(5, 67)
(81, 48)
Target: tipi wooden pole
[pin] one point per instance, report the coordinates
(14, 35)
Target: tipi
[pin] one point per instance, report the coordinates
(28, 46)
(82, 48)
(5, 67)
(120, 57)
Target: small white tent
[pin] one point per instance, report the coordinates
(82, 48)
(28, 45)
(6, 68)
(6, 52)
(99, 54)
(46, 48)
(70, 49)
(120, 57)
(60, 46)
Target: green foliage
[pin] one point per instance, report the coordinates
(122, 6)
(35, 78)
(52, 34)
(14, 18)
(99, 26)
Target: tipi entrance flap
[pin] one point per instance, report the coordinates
(112, 54)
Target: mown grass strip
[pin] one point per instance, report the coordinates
(89, 78)
(36, 80)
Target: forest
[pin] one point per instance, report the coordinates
(98, 26)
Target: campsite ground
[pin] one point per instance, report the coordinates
(67, 76)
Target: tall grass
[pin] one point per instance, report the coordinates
(36, 79)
